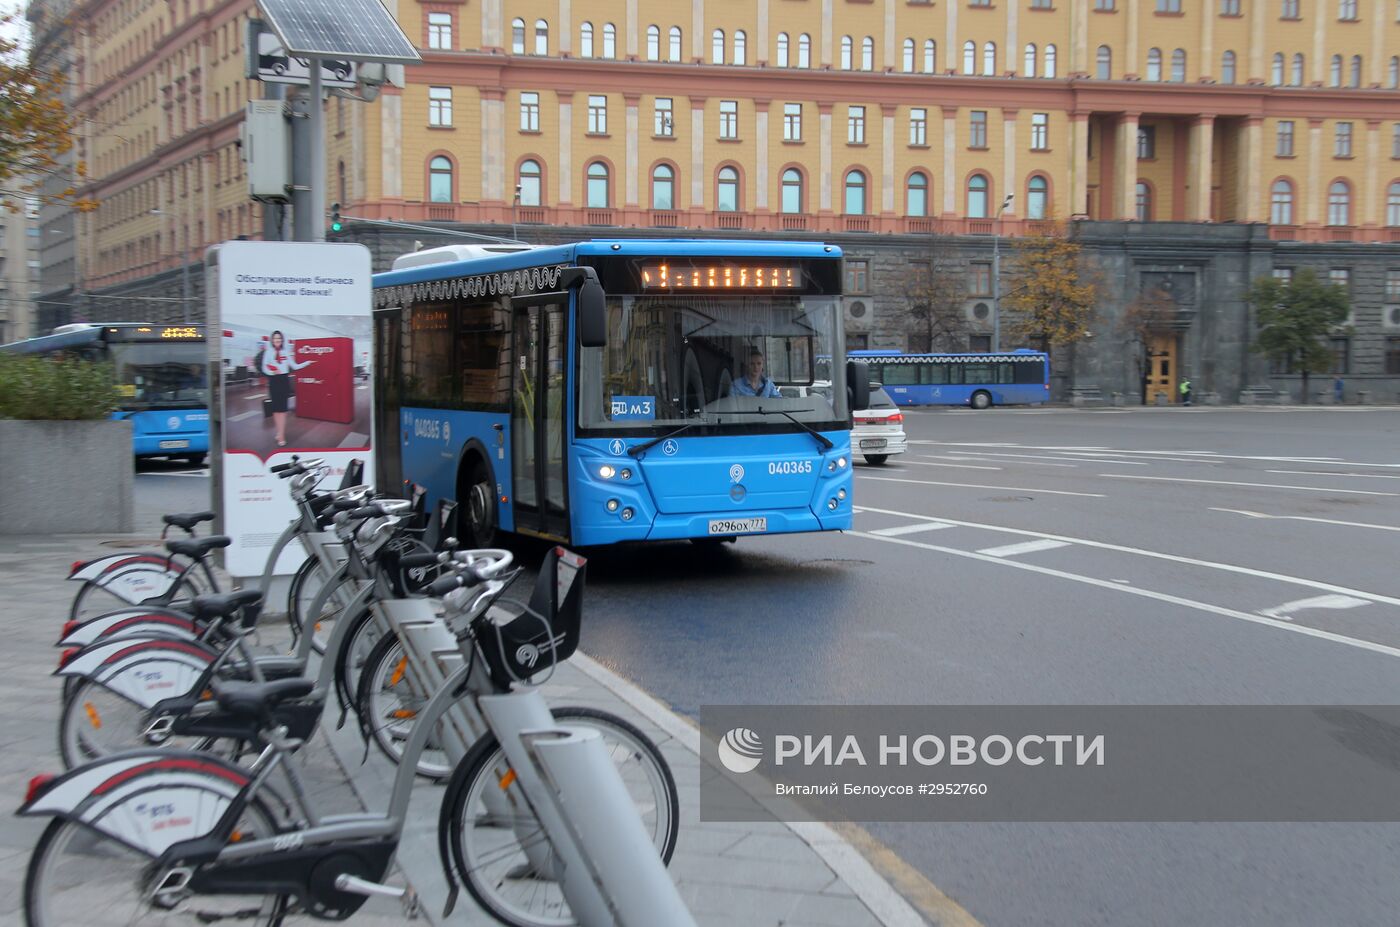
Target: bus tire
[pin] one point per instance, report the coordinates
(981, 400)
(479, 496)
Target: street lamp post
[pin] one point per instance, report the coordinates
(996, 275)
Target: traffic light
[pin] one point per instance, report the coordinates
(336, 224)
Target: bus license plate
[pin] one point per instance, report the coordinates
(738, 525)
(172, 445)
(871, 443)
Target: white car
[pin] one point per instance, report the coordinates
(878, 431)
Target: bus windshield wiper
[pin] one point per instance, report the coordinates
(636, 449)
(825, 442)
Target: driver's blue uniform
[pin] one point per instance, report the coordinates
(766, 389)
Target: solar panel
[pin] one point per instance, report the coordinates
(360, 30)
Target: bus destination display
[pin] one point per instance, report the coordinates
(697, 275)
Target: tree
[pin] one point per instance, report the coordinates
(937, 290)
(36, 129)
(1051, 294)
(1295, 318)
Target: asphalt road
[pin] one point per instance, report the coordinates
(1156, 556)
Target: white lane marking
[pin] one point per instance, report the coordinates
(1107, 457)
(1205, 455)
(956, 466)
(1325, 521)
(982, 455)
(1052, 492)
(911, 529)
(1146, 594)
(1360, 476)
(1282, 612)
(1156, 555)
(1025, 547)
(1173, 479)
(252, 413)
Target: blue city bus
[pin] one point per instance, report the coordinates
(1019, 377)
(161, 374)
(591, 393)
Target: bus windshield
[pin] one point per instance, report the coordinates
(712, 360)
(161, 375)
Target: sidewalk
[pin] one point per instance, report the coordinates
(762, 874)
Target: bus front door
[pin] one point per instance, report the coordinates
(537, 416)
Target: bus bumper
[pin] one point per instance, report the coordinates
(714, 524)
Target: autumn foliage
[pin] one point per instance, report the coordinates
(36, 129)
(1052, 294)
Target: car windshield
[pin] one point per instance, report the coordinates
(713, 362)
(162, 375)
(879, 399)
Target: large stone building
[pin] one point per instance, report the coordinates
(1198, 146)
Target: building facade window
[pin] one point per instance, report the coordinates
(918, 126)
(664, 118)
(675, 52)
(977, 129)
(729, 119)
(1339, 203)
(1050, 62)
(855, 125)
(1334, 72)
(989, 59)
(977, 194)
(1346, 10)
(1289, 9)
(791, 199)
(867, 54)
(1392, 286)
(969, 65)
(804, 51)
(1395, 141)
(782, 56)
(857, 276)
(1283, 274)
(855, 193)
(609, 41)
(440, 30)
(1283, 139)
(727, 190)
(1040, 131)
(1295, 79)
(847, 52)
(599, 196)
(653, 43)
(517, 36)
(1028, 66)
(1227, 68)
(916, 195)
(1144, 202)
(906, 57)
(1392, 205)
(440, 106)
(1276, 74)
(931, 57)
(1340, 276)
(1104, 63)
(1037, 198)
(440, 180)
(1168, 6)
(663, 186)
(541, 37)
(1281, 202)
(741, 47)
(1104, 6)
(717, 47)
(1179, 66)
(585, 40)
(1154, 64)
(1341, 141)
(597, 115)
(529, 111)
(1147, 143)
(1354, 78)
(528, 183)
(1229, 7)
(792, 122)
(1393, 73)
(979, 279)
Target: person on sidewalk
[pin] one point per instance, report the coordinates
(1338, 389)
(1185, 389)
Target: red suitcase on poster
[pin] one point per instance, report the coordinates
(326, 389)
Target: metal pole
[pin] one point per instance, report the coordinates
(185, 277)
(996, 287)
(317, 153)
(303, 222)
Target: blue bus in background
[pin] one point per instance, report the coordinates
(1019, 377)
(590, 393)
(161, 373)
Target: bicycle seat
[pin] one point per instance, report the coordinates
(187, 520)
(196, 548)
(257, 699)
(224, 604)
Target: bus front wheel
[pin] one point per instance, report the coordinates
(481, 506)
(981, 400)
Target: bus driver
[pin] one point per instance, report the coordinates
(755, 383)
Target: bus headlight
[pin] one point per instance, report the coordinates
(607, 471)
(832, 504)
(627, 514)
(626, 473)
(840, 463)
(613, 505)
(841, 494)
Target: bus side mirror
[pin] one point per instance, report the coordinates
(858, 385)
(592, 320)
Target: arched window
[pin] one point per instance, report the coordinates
(907, 60)
(541, 37)
(609, 40)
(989, 59)
(585, 40)
(1355, 79)
(977, 192)
(517, 36)
(1144, 202)
(867, 54)
(847, 51)
(792, 191)
(804, 51)
(663, 187)
(741, 47)
(529, 183)
(782, 49)
(1334, 73)
(675, 50)
(653, 43)
(1028, 68)
(969, 58)
(598, 193)
(440, 180)
(1037, 198)
(1276, 75)
(930, 56)
(1179, 66)
(1105, 63)
(727, 190)
(1281, 202)
(717, 47)
(1154, 64)
(1227, 68)
(855, 193)
(1392, 204)
(916, 197)
(1339, 203)
(1049, 61)
(1296, 78)
(1394, 82)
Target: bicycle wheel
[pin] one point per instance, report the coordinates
(363, 632)
(389, 699)
(96, 721)
(79, 876)
(307, 583)
(501, 861)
